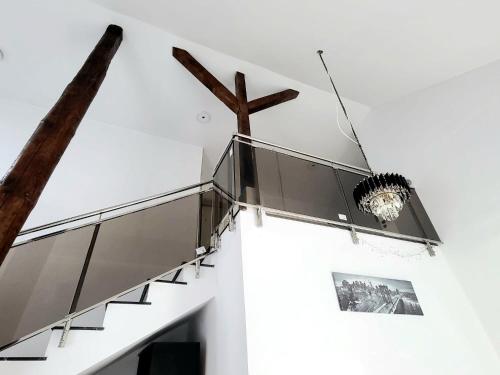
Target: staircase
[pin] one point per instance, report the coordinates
(121, 325)
(85, 290)
(79, 292)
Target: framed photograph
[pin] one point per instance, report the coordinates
(375, 294)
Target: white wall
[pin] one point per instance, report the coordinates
(220, 326)
(294, 324)
(103, 165)
(446, 139)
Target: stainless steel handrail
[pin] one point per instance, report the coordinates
(180, 190)
(296, 152)
(113, 208)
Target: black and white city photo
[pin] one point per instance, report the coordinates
(375, 294)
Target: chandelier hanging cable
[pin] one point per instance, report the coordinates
(383, 194)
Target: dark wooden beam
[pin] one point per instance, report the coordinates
(237, 103)
(22, 185)
(268, 101)
(248, 169)
(205, 77)
(241, 96)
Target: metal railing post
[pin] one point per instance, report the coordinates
(430, 249)
(65, 333)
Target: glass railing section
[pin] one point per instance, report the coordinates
(56, 271)
(135, 247)
(292, 182)
(38, 281)
(46, 279)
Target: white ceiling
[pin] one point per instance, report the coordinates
(378, 49)
(146, 89)
(45, 43)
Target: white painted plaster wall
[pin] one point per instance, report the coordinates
(294, 324)
(103, 165)
(220, 326)
(446, 139)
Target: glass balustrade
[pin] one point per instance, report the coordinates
(136, 247)
(292, 182)
(38, 281)
(47, 278)
(56, 275)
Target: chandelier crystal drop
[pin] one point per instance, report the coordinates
(382, 195)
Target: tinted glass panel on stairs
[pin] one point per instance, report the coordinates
(206, 201)
(136, 247)
(224, 175)
(38, 281)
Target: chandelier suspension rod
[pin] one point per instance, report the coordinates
(320, 54)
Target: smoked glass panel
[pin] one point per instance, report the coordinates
(349, 180)
(220, 208)
(38, 281)
(138, 246)
(207, 201)
(312, 189)
(246, 177)
(269, 179)
(262, 165)
(407, 223)
(224, 176)
(423, 218)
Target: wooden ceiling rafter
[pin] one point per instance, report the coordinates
(238, 103)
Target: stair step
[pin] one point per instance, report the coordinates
(125, 326)
(171, 282)
(137, 295)
(130, 303)
(32, 349)
(91, 319)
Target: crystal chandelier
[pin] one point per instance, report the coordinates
(382, 195)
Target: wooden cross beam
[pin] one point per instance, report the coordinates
(237, 103)
(24, 182)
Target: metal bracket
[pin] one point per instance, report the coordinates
(197, 267)
(430, 249)
(217, 241)
(259, 217)
(232, 222)
(65, 333)
(354, 236)
(200, 251)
